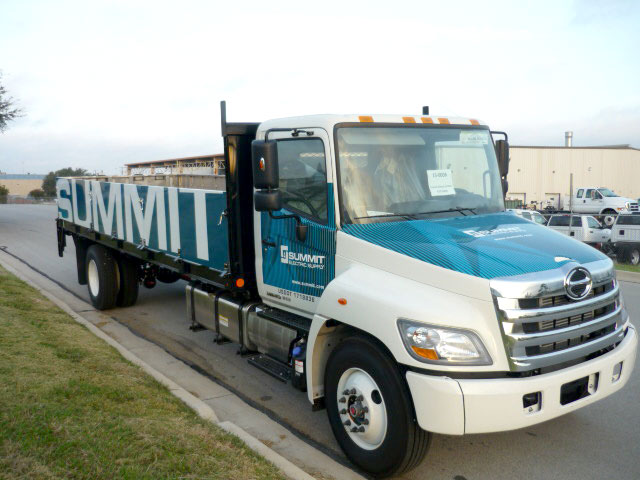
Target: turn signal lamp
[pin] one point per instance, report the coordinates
(428, 353)
(240, 282)
(342, 301)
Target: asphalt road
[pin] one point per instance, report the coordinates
(597, 442)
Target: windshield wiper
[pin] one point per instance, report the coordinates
(409, 216)
(454, 209)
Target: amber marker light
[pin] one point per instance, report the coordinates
(408, 120)
(443, 121)
(426, 120)
(342, 301)
(429, 353)
(365, 118)
(240, 282)
(474, 122)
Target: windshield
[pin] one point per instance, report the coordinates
(395, 173)
(538, 218)
(606, 192)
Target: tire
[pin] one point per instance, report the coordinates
(102, 277)
(167, 276)
(633, 255)
(128, 282)
(392, 442)
(609, 217)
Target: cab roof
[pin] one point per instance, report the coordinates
(327, 121)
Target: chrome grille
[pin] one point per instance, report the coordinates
(543, 327)
(633, 207)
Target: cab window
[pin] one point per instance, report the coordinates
(576, 221)
(588, 193)
(526, 215)
(592, 222)
(303, 176)
(559, 221)
(580, 192)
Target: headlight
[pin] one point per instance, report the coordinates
(627, 205)
(444, 346)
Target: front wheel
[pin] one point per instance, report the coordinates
(370, 409)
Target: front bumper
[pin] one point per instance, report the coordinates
(455, 407)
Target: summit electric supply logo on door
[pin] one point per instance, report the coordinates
(305, 260)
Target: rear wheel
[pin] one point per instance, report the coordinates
(128, 282)
(370, 409)
(102, 277)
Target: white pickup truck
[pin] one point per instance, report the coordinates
(600, 201)
(581, 227)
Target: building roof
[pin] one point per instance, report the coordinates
(20, 176)
(174, 160)
(594, 147)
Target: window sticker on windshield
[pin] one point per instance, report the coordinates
(474, 137)
(440, 182)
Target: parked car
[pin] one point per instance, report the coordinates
(530, 215)
(582, 227)
(625, 239)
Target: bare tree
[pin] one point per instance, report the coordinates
(8, 110)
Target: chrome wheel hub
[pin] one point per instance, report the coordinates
(93, 279)
(362, 409)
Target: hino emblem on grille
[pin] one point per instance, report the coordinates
(578, 283)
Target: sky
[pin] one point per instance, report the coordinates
(104, 83)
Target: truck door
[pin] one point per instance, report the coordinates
(576, 230)
(578, 201)
(292, 272)
(585, 203)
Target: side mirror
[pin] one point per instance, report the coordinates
(264, 157)
(502, 153)
(267, 200)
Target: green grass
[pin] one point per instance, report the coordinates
(628, 268)
(72, 407)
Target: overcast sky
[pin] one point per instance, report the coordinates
(105, 83)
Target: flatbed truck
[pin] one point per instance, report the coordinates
(369, 260)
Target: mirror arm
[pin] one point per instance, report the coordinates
(301, 230)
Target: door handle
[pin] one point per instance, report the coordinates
(268, 243)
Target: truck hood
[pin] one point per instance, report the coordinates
(486, 246)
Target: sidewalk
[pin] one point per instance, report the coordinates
(296, 458)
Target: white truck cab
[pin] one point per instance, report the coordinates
(582, 227)
(601, 201)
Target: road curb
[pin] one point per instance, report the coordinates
(203, 410)
(626, 276)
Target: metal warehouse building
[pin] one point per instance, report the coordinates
(542, 174)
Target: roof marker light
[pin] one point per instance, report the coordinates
(426, 120)
(444, 121)
(408, 120)
(366, 118)
(474, 121)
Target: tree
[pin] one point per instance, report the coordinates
(37, 193)
(8, 111)
(49, 182)
(4, 191)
